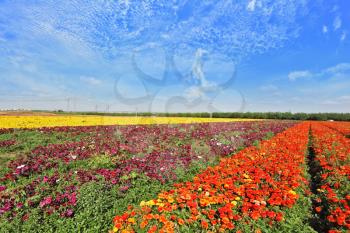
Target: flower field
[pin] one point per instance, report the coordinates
(68, 120)
(232, 176)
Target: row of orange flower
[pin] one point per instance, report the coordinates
(332, 152)
(256, 183)
(341, 127)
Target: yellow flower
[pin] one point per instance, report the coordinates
(292, 192)
(234, 203)
(150, 203)
(237, 198)
(142, 203)
(37, 121)
(115, 229)
(132, 220)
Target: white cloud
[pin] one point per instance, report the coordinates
(335, 8)
(90, 80)
(251, 5)
(343, 36)
(330, 102)
(324, 29)
(333, 71)
(345, 98)
(194, 92)
(339, 68)
(269, 88)
(337, 23)
(299, 74)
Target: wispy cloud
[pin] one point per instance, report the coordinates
(324, 29)
(269, 88)
(345, 98)
(341, 100)
(337, 23)
(90, 80)
(251, 5)
(81, 41)
(343, 36)
(330, 71)
(341, 67)
(299, 75)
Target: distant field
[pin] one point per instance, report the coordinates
(38, 120)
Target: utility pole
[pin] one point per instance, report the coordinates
(68, 104)
(210, 109)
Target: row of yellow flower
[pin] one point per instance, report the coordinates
(50, 121)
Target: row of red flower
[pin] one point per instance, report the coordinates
(341, 127)
(7, 143)
(256, 183)
(332, 153)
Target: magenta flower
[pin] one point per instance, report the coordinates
(46, 201)
(2, 188)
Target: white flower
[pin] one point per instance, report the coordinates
(74, 156)
(200, 157)
(21, 166)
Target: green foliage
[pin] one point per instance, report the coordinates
(251, 115)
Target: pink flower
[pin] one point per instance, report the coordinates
(2, 188)
(69, 213)
(124, 188)
(72, 199)
(46, 201)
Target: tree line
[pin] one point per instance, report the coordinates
(251, 115)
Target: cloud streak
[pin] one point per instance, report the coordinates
(90, 80)
(340, 68)
(337, 23)
(292, 76)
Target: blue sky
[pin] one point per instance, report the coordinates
(179, 55)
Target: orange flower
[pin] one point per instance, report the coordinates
(204, 224)
(180, 221)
